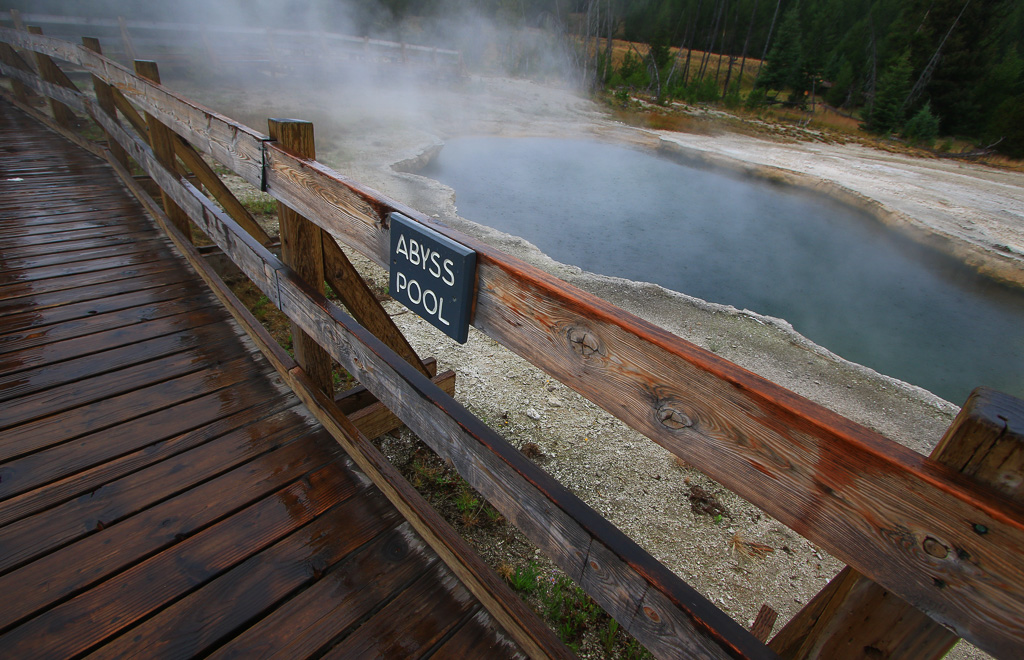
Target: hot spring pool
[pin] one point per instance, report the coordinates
(839, 276)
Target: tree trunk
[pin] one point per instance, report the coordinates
(746, 42)
(768, 41)
(691, 31)
(713, 37)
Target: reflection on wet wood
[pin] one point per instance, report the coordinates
(159, 488)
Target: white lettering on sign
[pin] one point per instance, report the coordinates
(432, 303)
(427, 259)
(432, 275)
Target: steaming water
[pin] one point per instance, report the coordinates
(839, 276)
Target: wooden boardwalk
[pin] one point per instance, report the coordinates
(161, 492)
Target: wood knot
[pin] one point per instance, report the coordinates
(935, 548)
(583, 341)
(673, 419)
(651, 614)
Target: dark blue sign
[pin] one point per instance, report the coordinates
(432, 275)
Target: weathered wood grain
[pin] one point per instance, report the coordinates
(208, 423)
(549, 515)
(302, 249)
(108, 504)
(105, 98)
(51, 73)
(473, 640)
(375, 419)
(331, 201)
(274, 507)
(346, 595)
(191, 626)
(206, 176)
(353, 292)
(162, 140)
(856, 616)
(401, 627)
(11, 58)
(62, 573)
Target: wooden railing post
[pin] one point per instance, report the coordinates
(161, 139)
(302, 249)
(11, 58)
(49, 72)
(852, 617)
(105, 98)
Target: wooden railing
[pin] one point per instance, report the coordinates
(935, 545)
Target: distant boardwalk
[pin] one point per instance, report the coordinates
(161, 493)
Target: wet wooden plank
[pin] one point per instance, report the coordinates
(24, 371)
(348, 593)
(66, 229)
(94, 293)
(476, 639)
(108, 504)
(108, 607)
(63, 247)
(139, 248)
(92, 446)
(413, 622)
(190, 627)
(60, 574)
(31, 273)
(57, 240)
(76, 393)
(142, 453)
(68, 282)
(76, 320)
(119, 208)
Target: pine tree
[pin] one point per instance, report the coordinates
(923, 127)
(784, 68)
(887, 113)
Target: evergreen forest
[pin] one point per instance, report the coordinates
(915, 68)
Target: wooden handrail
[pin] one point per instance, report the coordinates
(863, 498)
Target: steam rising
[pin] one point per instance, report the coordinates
(347, 66)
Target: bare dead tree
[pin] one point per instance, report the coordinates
(746, 42)
(712, 37)
(929, 69)
(692, 30)
(768, 41)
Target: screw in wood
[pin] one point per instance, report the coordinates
(935, 548)
(673, 419)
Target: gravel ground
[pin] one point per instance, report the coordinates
(736, 556)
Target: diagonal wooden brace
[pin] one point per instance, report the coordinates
(852, 617)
